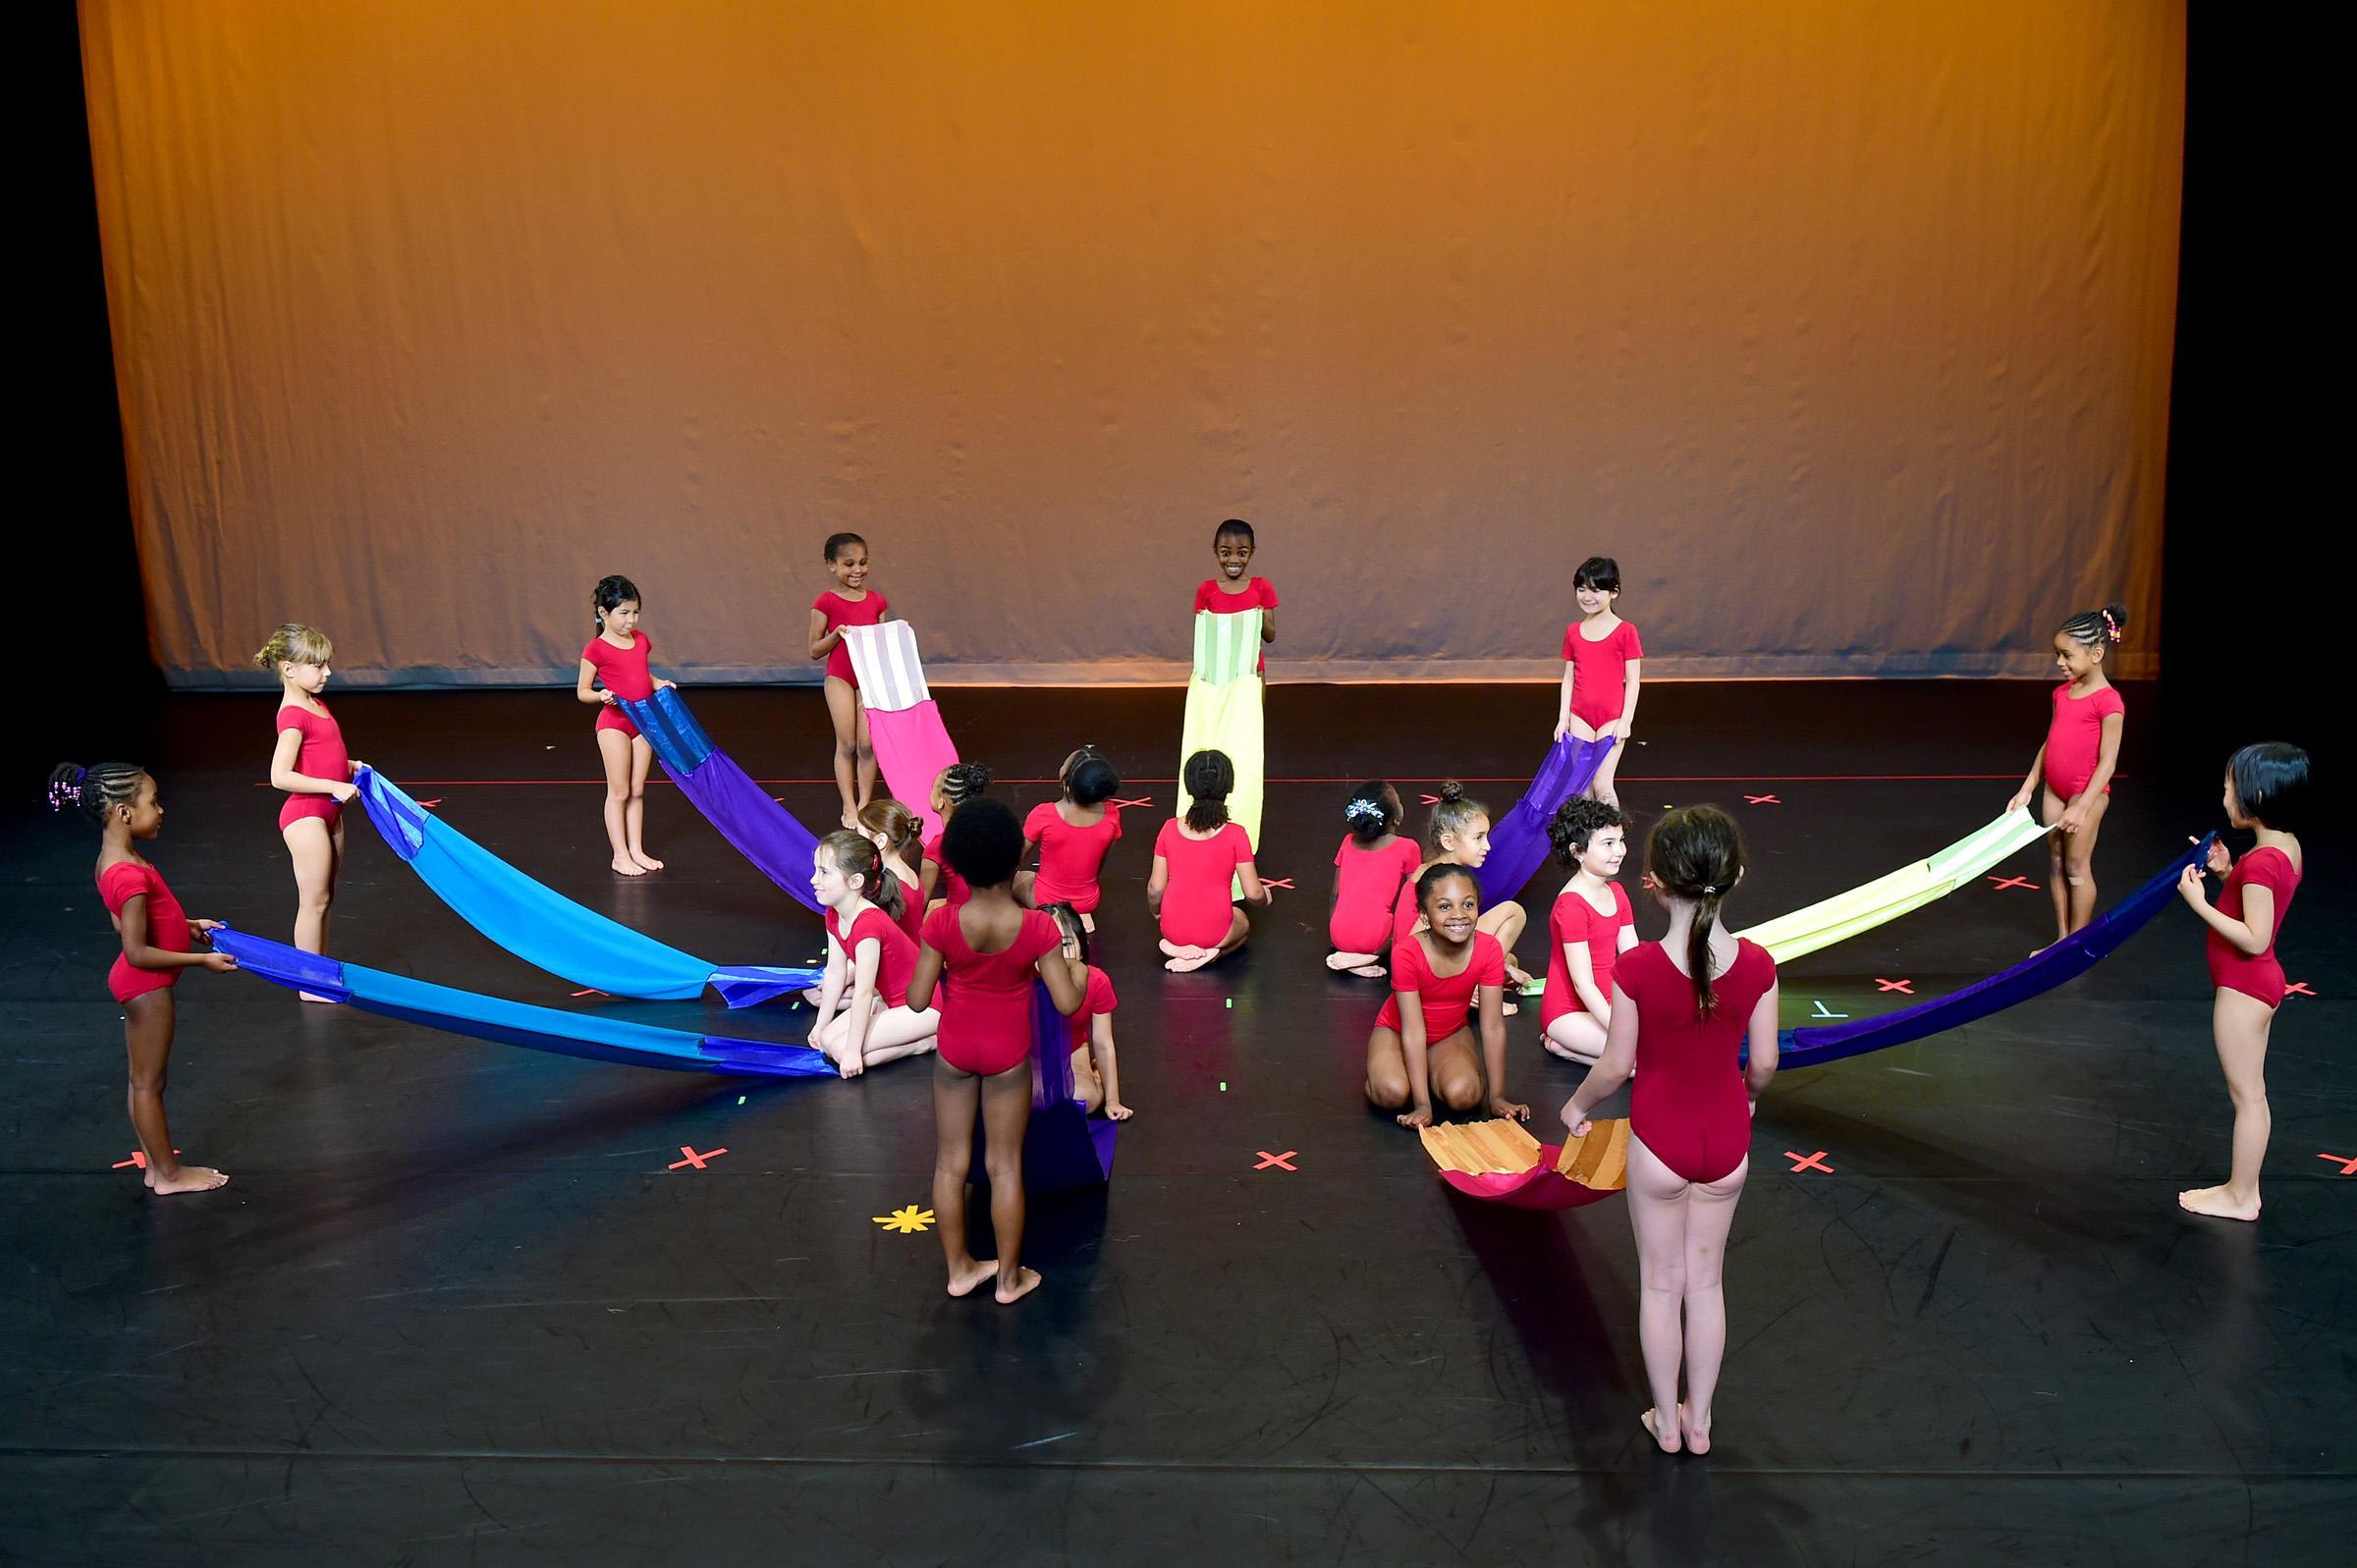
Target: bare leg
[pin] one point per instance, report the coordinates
(1657, 1214)
(1182, 958)
(1006, 1110)
(1576, 1037)
(1505, 922)
(613, 750)
(2079, 866)
(642, 757)
(842, 707)
(1025, 882)
(955, 1098)
(897, 1032)
(1605, 787)
(867, 765)
(2241, 1025)
(1387, 1071)
(315, 852)
(147, 1031)
(1710, 1214)
(1086, 1088)
(1455, 1072)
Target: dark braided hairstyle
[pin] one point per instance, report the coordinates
(1576, 824)
(97, 790)
(1091, 780)
(1210, 777)
(961, 781)
(1696, 853)
(855, 856)
(2095, 628)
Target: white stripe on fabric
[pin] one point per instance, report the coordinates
(1227, 646)
(891, 677)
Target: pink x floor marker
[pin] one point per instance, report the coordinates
(695, 1158)
(1815, 1162)
(1282, 1162)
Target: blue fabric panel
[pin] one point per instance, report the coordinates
(671, 730)
(283, 965)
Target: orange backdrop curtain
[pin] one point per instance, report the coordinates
(1844, 326)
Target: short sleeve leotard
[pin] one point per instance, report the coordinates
(912, 910)
(985, 998)
(2074, 740)
(947, 883)
(1257, 594)
(1445, 1000)
(624, 672)
(322, 757)
(1069, 857)
(1574, 919)
(1367, 884)
(167, 925)
(1599, 671)
(1097, 1000)
(2256, 975)
(896, 955)
(1689, 1105)
(868, 610)
(1196, 902)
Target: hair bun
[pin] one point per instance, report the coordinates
(1451, 791)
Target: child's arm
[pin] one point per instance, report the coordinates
(830, 988)
(1256, 893)
(1582, 969)
(1065, 988)
(1158, 880)
(863, 1005)
(1492, 1053)
(928, 875)
(588, 691)
(141, 954)
(1413, 1049)
(284, 776)
(1613, 1068)
(1268, 622)
(2029, 785)
(2074, 816)
(1564, 724)
(2252, 934)
(1100, 1056)
(1627, 721)
(922, 980)
(1763, 1044)
(822, 641)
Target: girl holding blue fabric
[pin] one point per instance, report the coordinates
(311, 764)
(614, 671)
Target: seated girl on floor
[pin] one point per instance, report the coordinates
(1370, 870)
(1422, 1047)
(1096, 1078)
(1198, 859)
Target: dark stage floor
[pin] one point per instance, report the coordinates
(456, 1306)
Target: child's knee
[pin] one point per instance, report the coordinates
(1006, 1166)
(1461, 1094)
(1386, 1092)
(1669, 1281)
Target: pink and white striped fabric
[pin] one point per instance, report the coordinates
(912, 747)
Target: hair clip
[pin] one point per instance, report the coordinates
(2111, 625)
(65, 792)
(1711, 890)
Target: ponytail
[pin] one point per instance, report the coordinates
(94, 790)
(295, 643)
(2097, 628)
(1209, 778)
(854, 856)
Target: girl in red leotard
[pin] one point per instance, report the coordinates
(1096, 1074)
(1422, 1047)
(613, 671)
(1588, 929)
(953, 787)
(1458, 835)
(312, 766)
(2267, 790)
(1682, 1009)
(1074, 835)
(984, 953)
(850, 603)
(1197, 858)
(2074, 764)
(869, 962)
(899, 836)
(1603, 659)
(159, 943)
(1370, 870)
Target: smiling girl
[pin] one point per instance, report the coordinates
(850, 603)
(1422, 1047)
(1590, 925)
(2076, 760)
(1602, 660)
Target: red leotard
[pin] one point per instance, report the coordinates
(1256, 594)
(947, 883)
(167, 925)
(985, 999)
(912, 908)
(896, 955)
(2256, 975)
(624, 672)
(1097, 998)
(1196, 902)
(1447, 1001)
(1599, 671)
(1574, 919)
(1069, 857)
(2074, 740)
(1689, 1105)
(840, 611)
(1367, 884)
(322, 757)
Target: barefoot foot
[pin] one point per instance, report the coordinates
(1025, 1281)
(646, 860)
(976, 1271)
(1698, 1433)
(188, 1178)
(304, 995)
(2219, 1203)
(1665, 1436)
(1370, 971)
(1088, 923)
(627, 868)
(1344, 962)
(1180, 966)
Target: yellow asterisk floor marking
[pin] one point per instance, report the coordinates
(905, 1221)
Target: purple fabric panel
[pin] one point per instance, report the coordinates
(2034, 976)
(912, 748)
(763, 831)
(1518, 841)
(1064, 1147)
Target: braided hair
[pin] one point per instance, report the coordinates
(96, 790)
(2095, 628)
